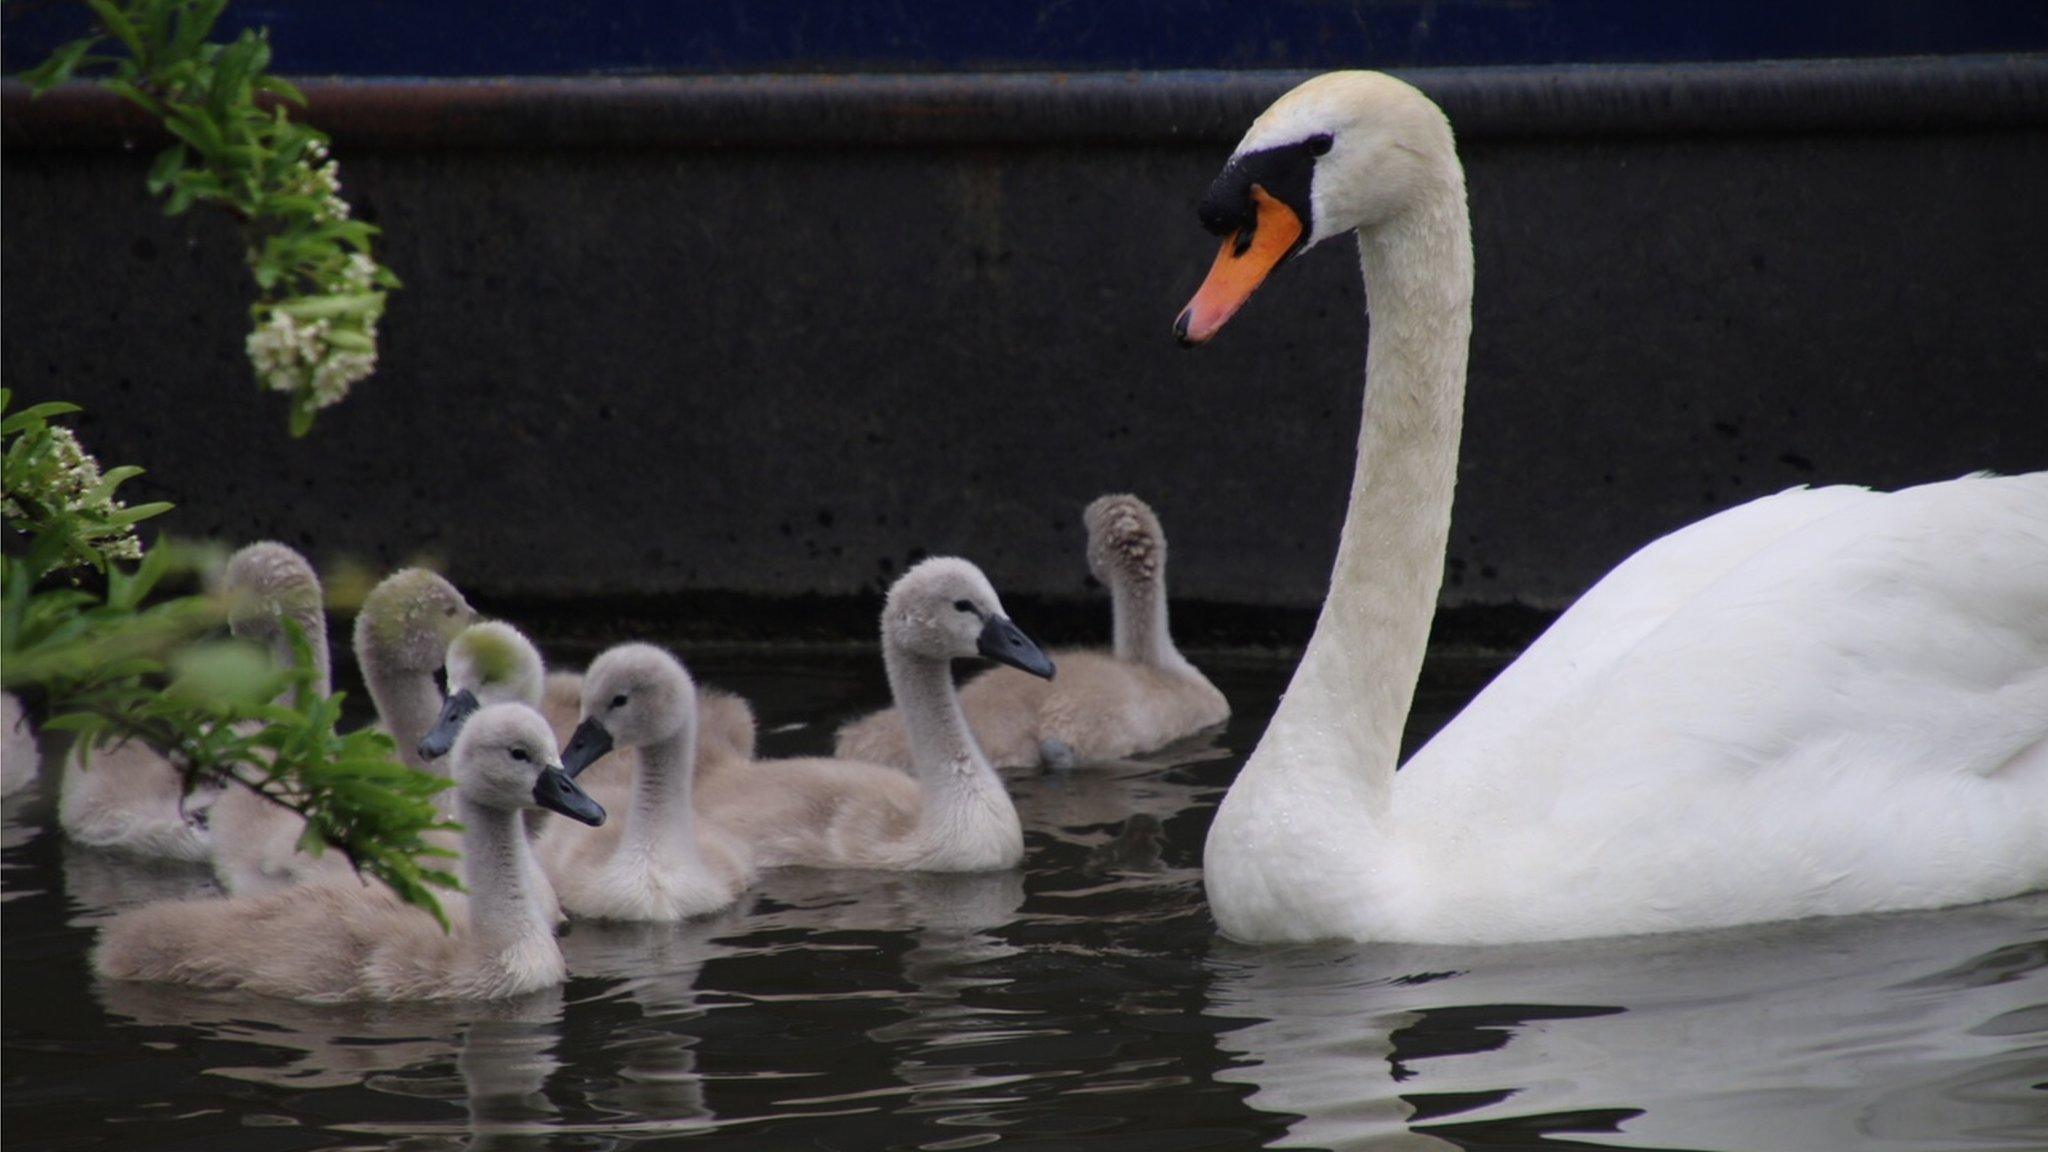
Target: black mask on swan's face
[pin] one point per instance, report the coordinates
(1285, 173)
(1261, 205)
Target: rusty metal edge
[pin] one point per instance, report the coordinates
(1910, 94)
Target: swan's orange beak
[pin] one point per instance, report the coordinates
(1242, 264)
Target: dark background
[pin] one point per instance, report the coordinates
(695, 346)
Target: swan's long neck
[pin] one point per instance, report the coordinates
(495, 865)
(1357, 678)
(943, 755)
(1138, 612)
(409, 704)
(664, 817)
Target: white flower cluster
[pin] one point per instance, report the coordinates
(320, 178)
(61, 477)
(292, 355)
(359, 273)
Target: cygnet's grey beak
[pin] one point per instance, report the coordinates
(555, 792)
(1005, 643)
(587, 745)
(455, 712)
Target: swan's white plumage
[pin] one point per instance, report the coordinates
(1822, 702)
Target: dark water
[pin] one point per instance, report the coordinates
(1084, 1002)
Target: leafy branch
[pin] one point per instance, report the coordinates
(320, 290)
(114, 662)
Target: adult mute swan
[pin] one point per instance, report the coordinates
(349, 941)
(1138, 697)
(1818, 703)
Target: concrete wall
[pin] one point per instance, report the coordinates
(685, 370)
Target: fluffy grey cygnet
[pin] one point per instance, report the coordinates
(331, 942)
(950, 813)
(1138, 697)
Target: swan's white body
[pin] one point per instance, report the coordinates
(1821, 702)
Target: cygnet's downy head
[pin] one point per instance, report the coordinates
(1126, 547)
(408, 621)
(265, 584)
(506, 759)
(945, 609)
(633, 695)
(488, 663)
(1342, 152)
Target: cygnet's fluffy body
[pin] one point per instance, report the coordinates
(332, 942)
(20, 759)
(491, 662)
(1137, 698)
(128, 798)
(659, 861)
(405, 626)
(255, 841)
(951, 813)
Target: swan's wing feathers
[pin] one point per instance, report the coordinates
(1903, 637)
(1523, 716)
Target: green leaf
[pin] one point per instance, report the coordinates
(169, 163)
(327, 307)
(60, 66)
(118, 24)
(194, 127)
(139, 513)
(282, 89)
(36, 414)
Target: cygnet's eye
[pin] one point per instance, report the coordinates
(619, 701)
(521, 755)
(450, 612)
(964, 605)
(1319, 144)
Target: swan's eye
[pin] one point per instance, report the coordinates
(521, 755)
(1318, 144)
(963, 605)
(450, 613)
(619, 701)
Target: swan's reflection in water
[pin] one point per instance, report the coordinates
(1819, 1034)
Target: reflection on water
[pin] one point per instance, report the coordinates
(1912, 1031)
(1082, 1002)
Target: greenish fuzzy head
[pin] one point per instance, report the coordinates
(497, 663)
(408, 621)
